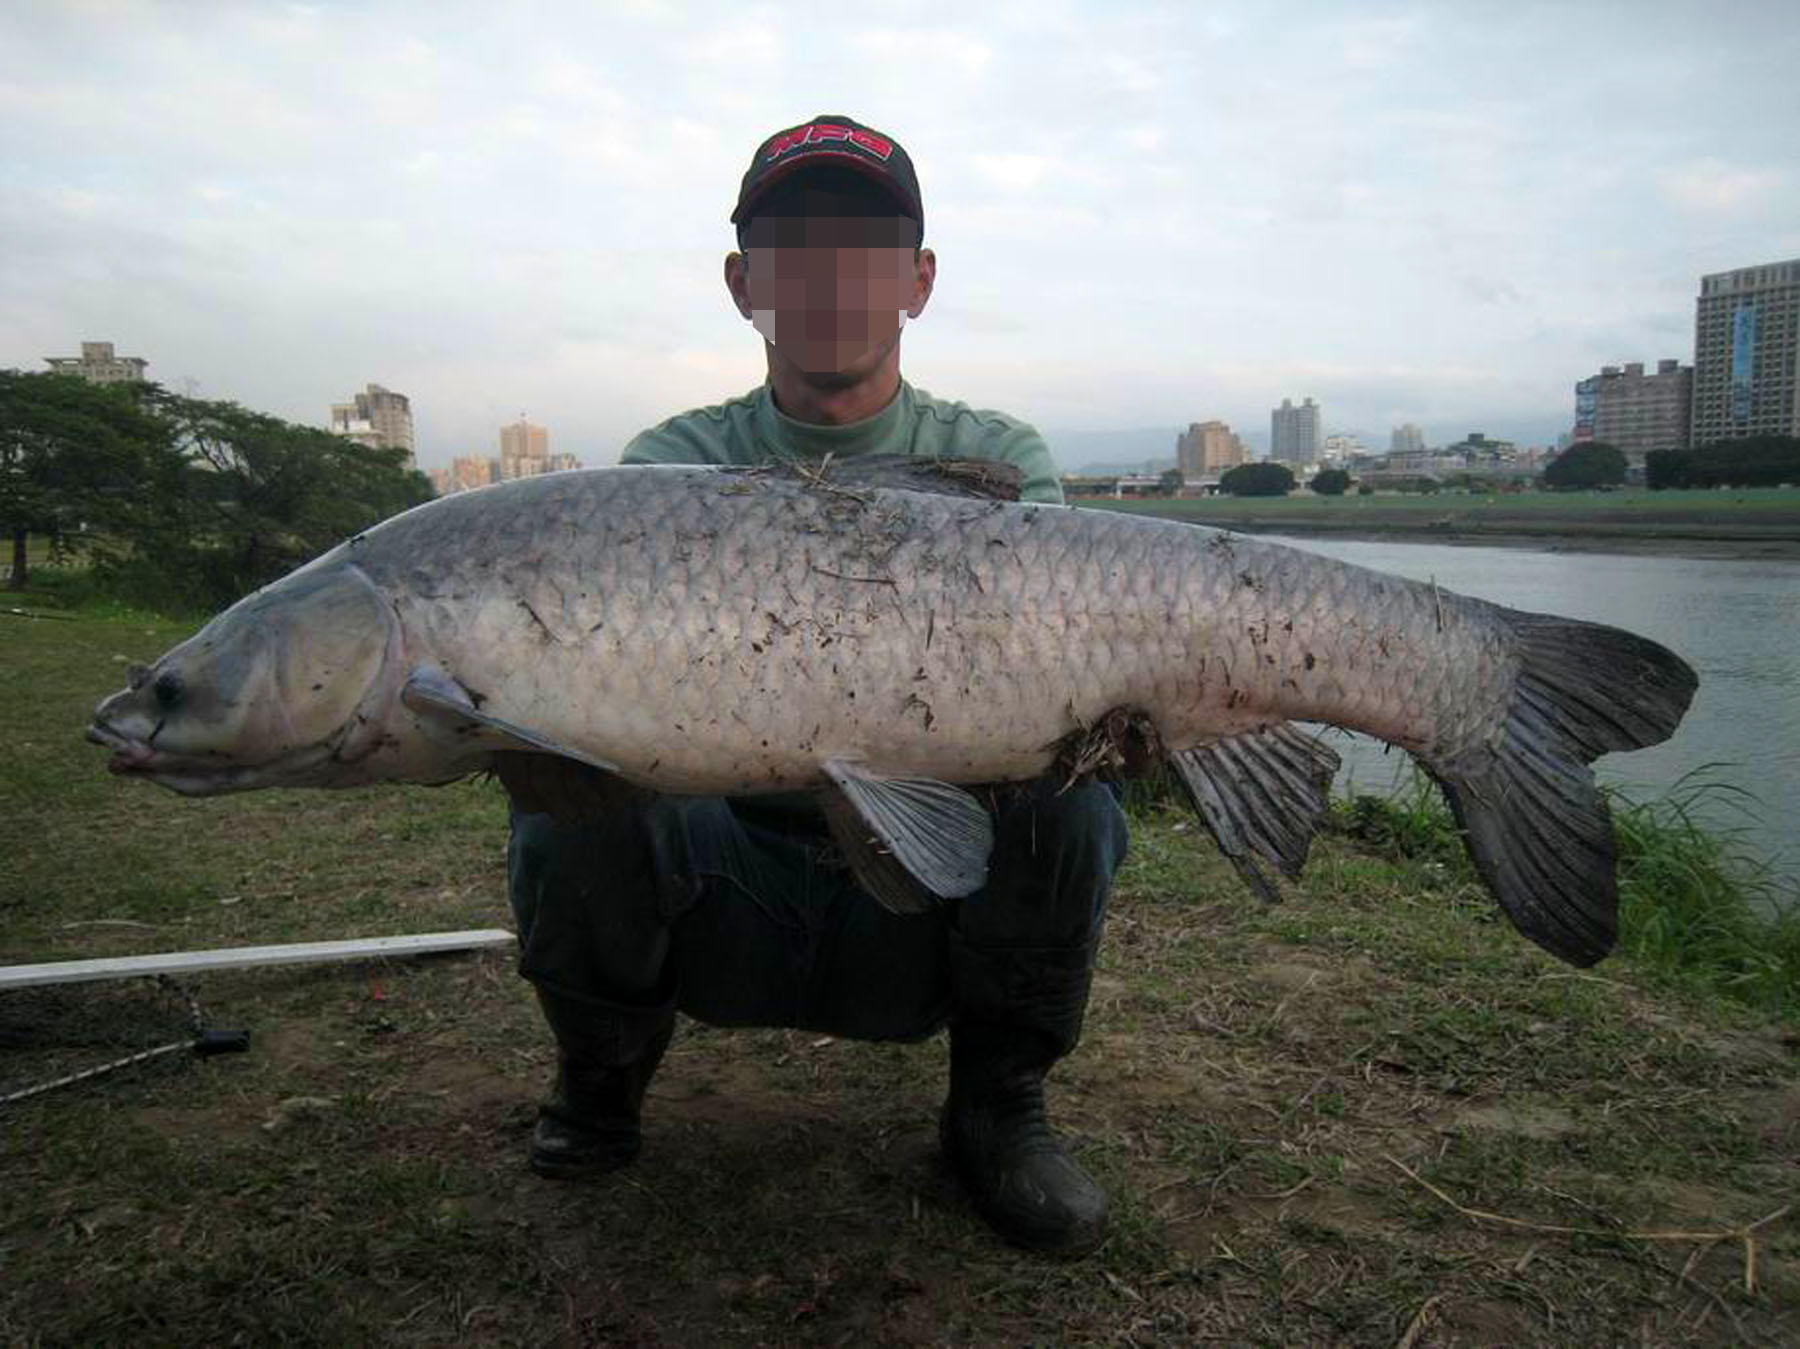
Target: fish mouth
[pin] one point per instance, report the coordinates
(130, 755)
(136, 758)
(210, 773)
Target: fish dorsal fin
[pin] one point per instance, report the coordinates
(436, 696)
(1264, 792)
(992, 479)
(939, 834)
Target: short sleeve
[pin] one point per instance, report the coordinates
(1026, 449)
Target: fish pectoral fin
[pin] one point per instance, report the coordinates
(875, 867)
(1262, 793)
(436, 696)
(938, 837)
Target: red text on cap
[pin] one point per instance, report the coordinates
(829, 131)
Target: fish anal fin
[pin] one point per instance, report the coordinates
(1262, 793)
(938, 834)
(436, 697)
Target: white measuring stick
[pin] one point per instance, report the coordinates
(241, 957)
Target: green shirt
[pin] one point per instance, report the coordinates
(750, 429)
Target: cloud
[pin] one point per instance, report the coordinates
(1011, 173)
(1713, 186)
(1129, 75)
(1375, 44)
(954, 51)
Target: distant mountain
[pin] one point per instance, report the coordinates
(1149, 448)
(1100, 452)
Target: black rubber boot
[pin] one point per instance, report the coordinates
(1017, 1012)
(607, 1054)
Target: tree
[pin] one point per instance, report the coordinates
(1594, 464)
(1752, 461)
(264, 495)
(77, 457)
(1170, 483)
(184, 501)
(1330, 482)
(1258, 480)
(1667, 468)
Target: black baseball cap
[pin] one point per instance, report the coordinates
(831, 141)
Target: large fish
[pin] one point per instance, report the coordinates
(737, 632)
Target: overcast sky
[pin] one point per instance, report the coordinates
(1143, 215)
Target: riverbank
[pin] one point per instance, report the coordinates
(1369, 1115)
(1753, 524)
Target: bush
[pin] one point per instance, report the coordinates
(1594, 464)
(1258, 480)
(1754, 461)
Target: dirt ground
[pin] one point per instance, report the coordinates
(1371, 1115)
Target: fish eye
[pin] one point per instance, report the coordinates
(167, 689)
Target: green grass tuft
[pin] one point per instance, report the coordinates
(1693, 911)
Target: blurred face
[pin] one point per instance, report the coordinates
(827, 291)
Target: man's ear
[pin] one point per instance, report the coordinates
(924, 278)
(737, 281)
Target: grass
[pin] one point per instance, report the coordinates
(1692, 913)
(1250, 1081)
(1765, 518)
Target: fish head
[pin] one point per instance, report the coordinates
(286, 688)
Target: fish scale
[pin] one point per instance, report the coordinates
(1040, 619)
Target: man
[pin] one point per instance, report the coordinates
(738, 912)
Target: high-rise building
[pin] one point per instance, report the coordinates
(1296, 435)
(1207, 448)
(1746, 379)
(98, 365)
(1406, 439)
(378, 418)
(1635, 412)
(524, 449)
(472, 470)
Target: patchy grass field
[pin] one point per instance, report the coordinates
(1749, 522)
(1371, 1115)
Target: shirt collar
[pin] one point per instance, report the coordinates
(796, 439)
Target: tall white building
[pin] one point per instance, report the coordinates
(1296, 434)
(1406, 439)
(1747, 354)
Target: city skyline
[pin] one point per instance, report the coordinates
(1142, 216)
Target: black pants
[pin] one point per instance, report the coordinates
(742, 911)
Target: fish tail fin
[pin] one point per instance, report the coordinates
(1530, 813)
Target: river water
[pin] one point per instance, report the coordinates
(1736, 622)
